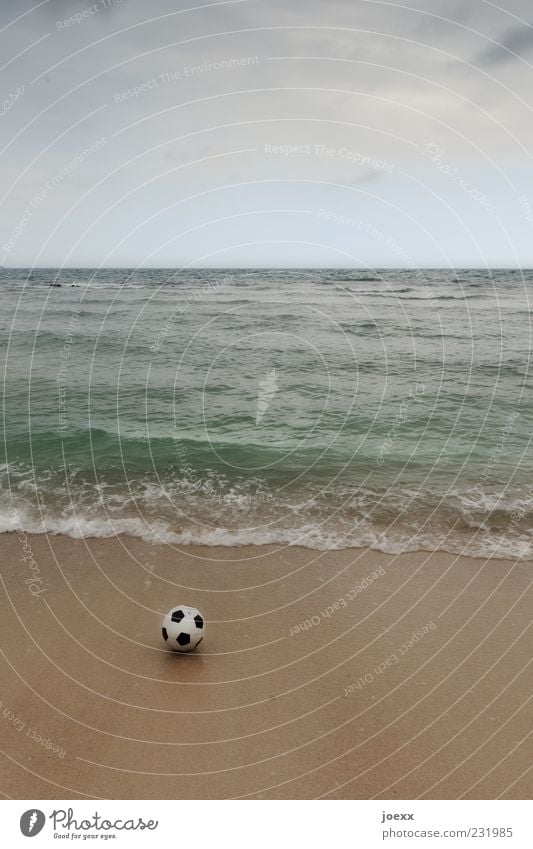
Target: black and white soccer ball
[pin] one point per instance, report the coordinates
(183, 628)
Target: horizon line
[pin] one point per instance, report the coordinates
(264, 268)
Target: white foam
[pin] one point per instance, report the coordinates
(308, 536)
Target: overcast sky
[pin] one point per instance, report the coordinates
(261, 132)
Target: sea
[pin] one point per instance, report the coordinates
(327, 408)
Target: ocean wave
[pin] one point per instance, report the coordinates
(358, 280)
(316, 537)
(213, 510)
(344, 453)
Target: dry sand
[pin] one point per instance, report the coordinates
(345, 707)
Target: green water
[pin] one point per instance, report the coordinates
(323, 408)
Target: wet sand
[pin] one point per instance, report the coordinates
(344, 674)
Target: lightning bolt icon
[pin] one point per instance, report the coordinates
(33, 820)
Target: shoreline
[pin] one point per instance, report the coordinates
(341, 674)
(458, 548)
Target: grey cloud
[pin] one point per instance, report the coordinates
(372, 176)
(11, 9)
(384, 83)
(518, 40)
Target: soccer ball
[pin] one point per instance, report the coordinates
(183, 628)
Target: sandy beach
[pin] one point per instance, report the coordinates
(344, 674)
